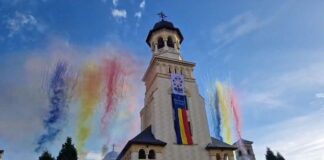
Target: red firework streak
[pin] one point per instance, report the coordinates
(237, 118)
(115, 76)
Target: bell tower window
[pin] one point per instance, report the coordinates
(226, 156)
(141, 154)
(160, 43)
(218, 157)
(170, 42)
(151, 154)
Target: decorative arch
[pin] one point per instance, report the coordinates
(248, 151)
(141, 154)
(160, 43)
(170, 42)
(218, 157)
(151, 154)
(153, 46)
(226, 156)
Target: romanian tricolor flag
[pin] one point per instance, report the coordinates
(181, 119)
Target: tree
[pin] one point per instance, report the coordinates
(279, 156)
(46, 156)
(68, 151)
(270, 155)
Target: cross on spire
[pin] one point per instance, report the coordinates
(162, 15)
(113, 147)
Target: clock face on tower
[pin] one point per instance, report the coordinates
(177, 83)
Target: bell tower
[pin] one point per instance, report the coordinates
(173, 119)
(165, 39)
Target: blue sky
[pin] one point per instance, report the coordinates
(271, 51)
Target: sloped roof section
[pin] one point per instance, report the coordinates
(145, 137)
(163, 24)
(111, 156)
(217, 144)
(244, 142)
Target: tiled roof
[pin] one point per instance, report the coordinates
(244, 141)
(217, 144)
(145, 137)
(163, 24)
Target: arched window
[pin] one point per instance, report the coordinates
(153, 46)
(160, 43)
(248, 152)
(240, 153)
(218, 157)
(141, 154)
(170, 42)
(151, 154)
(226, 157)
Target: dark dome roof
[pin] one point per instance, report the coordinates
(161, 25)
(111, 156)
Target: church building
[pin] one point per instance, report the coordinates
(173, 120)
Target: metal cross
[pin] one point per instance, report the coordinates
(162, 16)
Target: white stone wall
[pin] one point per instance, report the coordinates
(158, 103)
(158, 111)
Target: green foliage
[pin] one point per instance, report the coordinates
(279, 156)
(270, 155)
(46, 156)
(68, 151)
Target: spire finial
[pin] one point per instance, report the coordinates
(162, 15)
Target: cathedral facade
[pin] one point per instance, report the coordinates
(173, 120)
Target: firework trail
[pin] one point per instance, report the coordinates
(90, 96)
(59, 91)
(236, 113)
(217, 116)
(237, 120)
(211, 100)
(121, 94)
(115, 74)
(225, 111)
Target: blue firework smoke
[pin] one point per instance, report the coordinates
(57, 94)
(217, 118)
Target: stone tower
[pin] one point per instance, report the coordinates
(1, 154)
(244, 154)
(173, 120)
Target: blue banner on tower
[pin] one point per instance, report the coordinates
(177, 84)
(181, 113)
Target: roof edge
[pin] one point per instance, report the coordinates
(134, 142)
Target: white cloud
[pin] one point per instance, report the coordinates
(115, 2)
(242, 24)
(272, 92)
(142, 4)
(93, 156)
(311, 76)
(119, 13)
(20, 21)
(23, 98)
(298, 138)
(266, 99)
(138, 14)
(319, 95)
